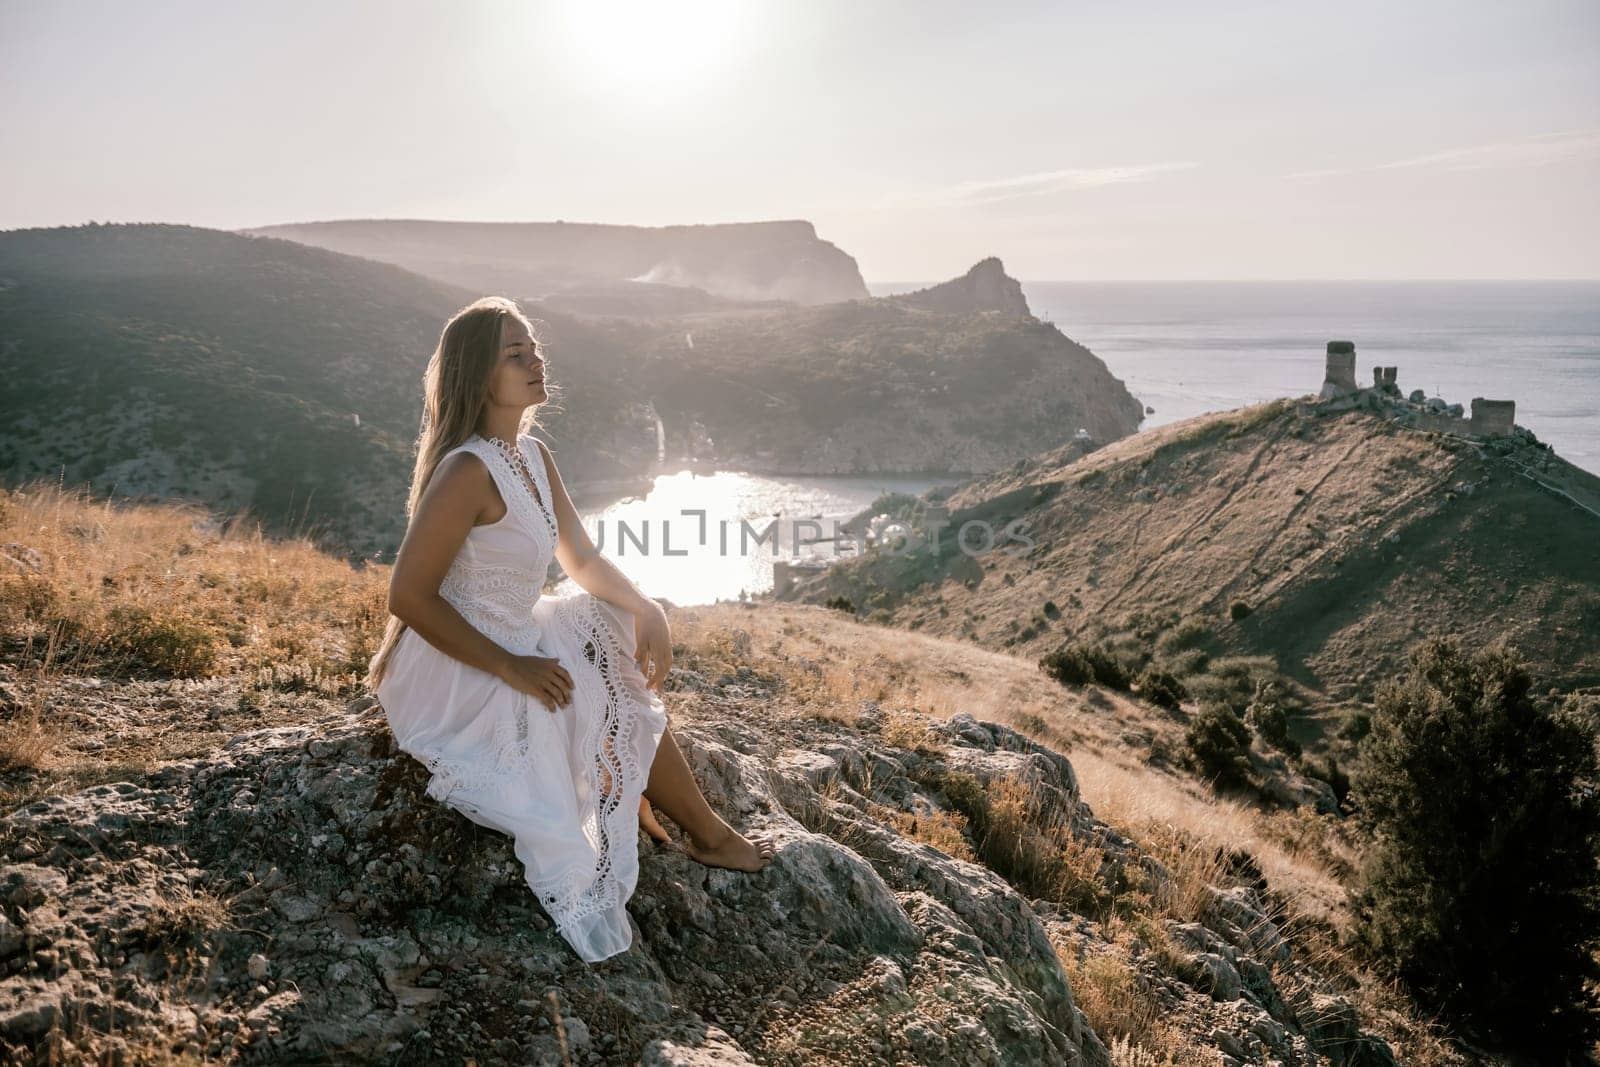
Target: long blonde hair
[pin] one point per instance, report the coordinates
(455, 390)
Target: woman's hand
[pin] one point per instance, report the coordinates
(652, 644)
(539, 676)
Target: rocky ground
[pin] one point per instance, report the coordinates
(295, 897)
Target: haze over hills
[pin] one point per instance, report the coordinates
(664, 268)
(174, 361)
(1332, 541)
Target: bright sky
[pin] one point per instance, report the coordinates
(1075, 140)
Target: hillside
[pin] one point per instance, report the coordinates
(174, 362)
(211, 849)
(543, 261)
(178, 362)
(1330, 540)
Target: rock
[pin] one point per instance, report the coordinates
(29, 1019)
(1219, 976)
(714, 1048)
(386, 911)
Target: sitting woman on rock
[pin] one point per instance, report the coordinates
(533, 712)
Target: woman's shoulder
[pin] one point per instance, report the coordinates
(463, 463)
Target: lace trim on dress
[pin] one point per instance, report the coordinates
(613, 771)
(529, 500)
(494, 598)
(535, 458)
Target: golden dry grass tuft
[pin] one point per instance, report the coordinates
(167, 591)
(1127, 1014)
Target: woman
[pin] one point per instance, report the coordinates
(533, 713)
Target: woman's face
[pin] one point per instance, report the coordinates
(518, 378)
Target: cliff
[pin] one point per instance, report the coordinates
(941, 383)
(752, 261)
(986, 287)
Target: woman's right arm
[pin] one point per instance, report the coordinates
(456, 495)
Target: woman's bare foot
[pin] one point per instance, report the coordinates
(733, 850)
(649, 824)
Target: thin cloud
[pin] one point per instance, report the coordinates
(1043, 184)
(1528, 152)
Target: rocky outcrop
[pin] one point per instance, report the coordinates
(986, 287)
(297, 897)
(740, 261)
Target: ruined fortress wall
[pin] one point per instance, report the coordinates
(1439, 422)
(1493, 418)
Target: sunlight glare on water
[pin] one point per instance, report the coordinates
(702, 573)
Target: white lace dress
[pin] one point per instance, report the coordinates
(565, 785)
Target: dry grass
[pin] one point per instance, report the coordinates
(184, 916)
(830, 663)
(135, 634)
(1190, 830)
(944, 830)
(164, 590)
(1024, 835)
(1128, 1016)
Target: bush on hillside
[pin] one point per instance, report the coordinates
(1480, 888)
(1266, 714)
(1080, 664)
(1219, 746)
(1161, 688)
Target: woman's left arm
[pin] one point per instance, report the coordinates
(597, 575)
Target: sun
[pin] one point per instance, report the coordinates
(644, 48)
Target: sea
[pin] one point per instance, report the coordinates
(1184, 349)
(1187, 348)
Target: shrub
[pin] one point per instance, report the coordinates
(1239, 610)
(1219, 746)
(1356, 726)
(1480, 890)
(840, 603)
(1185, 662)
(1189, 634)
(1234, 681)
(1161, 688)
(1079, 664)
(1266, 714)
(171, 643)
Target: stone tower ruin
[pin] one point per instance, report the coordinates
(1340, 377)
